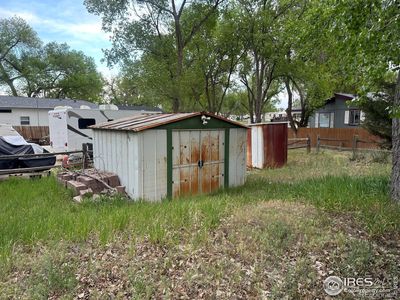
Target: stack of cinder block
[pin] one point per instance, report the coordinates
(91, 183)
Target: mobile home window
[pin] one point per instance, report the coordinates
(354, 117)
(25, 120)
(5, 110)
(324, 120)
(85, 123)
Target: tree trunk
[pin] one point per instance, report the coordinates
(395, 184)
(290, 103)
(175, 104)
(7, 80)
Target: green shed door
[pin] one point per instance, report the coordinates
(197, 161)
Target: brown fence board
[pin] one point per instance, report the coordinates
(32, 132)
(340, 135)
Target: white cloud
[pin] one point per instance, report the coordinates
(86, 34)
(27, 16)
(85, 31)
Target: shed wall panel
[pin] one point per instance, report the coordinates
(153, 168)
(134, 163)
(117, 152)
(257, 149)
(237, 156)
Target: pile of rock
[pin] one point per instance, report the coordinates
(90, 183)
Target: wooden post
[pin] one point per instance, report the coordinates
(318, 143)
(354, 145)
(85, 152)
(308, 144)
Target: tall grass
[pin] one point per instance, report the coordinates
(39, 210)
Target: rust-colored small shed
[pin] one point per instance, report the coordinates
(267, 145)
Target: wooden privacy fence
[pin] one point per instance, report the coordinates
(33, 133)
(337, 137)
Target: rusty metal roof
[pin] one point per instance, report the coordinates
(147, 121)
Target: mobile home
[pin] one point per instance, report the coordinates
(69, 127)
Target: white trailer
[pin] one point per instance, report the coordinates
(69, 128)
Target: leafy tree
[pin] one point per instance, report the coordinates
(313, 69)
(377, 109)
(141, 83)
(261, 24)
(53, 70)
(17, 41)
(56, 71)
(216, 51)
(159, 29)
(368, 35)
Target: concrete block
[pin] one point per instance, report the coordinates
(121, 189)
(97, 187)
(87, 192)
(62, 182)
(77, 199)
(67, 177)
(86, 180)
(76, 186)
(113, 180)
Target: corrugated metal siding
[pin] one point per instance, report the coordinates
(118, 152)
(133, 166)
(268, 145)
(237, 156)
(257, 147)
(153, 167)
(275, 138)
(139, 159)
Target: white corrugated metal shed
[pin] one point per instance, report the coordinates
(172, 155)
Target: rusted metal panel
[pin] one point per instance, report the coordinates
(275, 145)
(198, 163)
(249, 141)
(268, 145)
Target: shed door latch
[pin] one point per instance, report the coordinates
(200, 163)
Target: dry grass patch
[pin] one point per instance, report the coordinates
(302, 166)
(274, 249)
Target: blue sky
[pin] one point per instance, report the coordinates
(62, 21)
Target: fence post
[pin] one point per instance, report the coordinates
(354, 146)
(85, 152)
(318, 143)
(308, 144)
